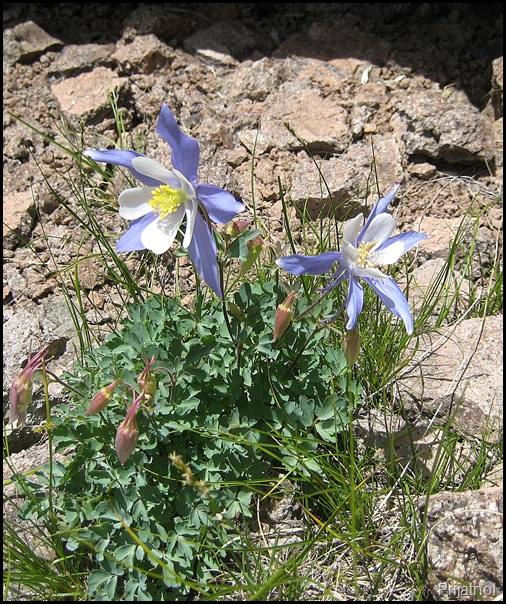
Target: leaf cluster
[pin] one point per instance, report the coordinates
(236, 406)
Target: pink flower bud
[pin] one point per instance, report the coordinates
(20, 394)
(283, 317)
(102, 398)
(235, 228)
(128, 432)
(351, 346)
(147, 381)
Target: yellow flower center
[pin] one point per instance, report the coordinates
(364, 250)
(165, 200)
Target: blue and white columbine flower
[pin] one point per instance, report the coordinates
(158, 209)
(364, 248)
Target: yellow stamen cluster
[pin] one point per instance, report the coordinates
(165, 200)
(363, 254)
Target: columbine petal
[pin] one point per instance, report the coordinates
(379, 229)
(299, 264)
(133, 203)
(185, 150)
(158, 173)
(131, 240)
(218, 203)
(352, 228)
(354, 303)
(369, 271)
(393, 298)
(191, 210)
(121, 158)
(379, 207)
(202, 252)
(390, 252)
(159, 235)
(408, 240)
(350, 254)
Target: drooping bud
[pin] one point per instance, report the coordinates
(235, 228)
(254, 246)
(147, 381)
(351, 346)
(102, 398)
(128, 432)
(283, 317)
(21, 392)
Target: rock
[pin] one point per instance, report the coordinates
(223, 42)
(313, 121)
(29, 329)
(415, 445)
(448, 130)
(254, 80)
(86, 96)
(143, 54)
(327, 190)
(337, 42)
(497, 87)
(171, 26)
(77, 58)
(457, 373)
(27, 41)
(18, 218)
(464, 545)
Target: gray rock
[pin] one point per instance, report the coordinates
(464, 545)
(77, 58)
(144, 54)
(26, 42)
(223, 42)
(445, 129)
(340, 186)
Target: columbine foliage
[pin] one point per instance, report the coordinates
(230, 407)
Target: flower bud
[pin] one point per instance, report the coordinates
(21, 392)
(102, 398)
(351, 346)
(254, 246)
(128, 432)
(147, 381)
(235, 228)
(283, 317)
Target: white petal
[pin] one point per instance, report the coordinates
(153, 169)
(350, 254)
(133, 203)
(159, 235)
(185, 185)
(390, 254)
(352, 229)
(380, 229)
(369, 272)
(191, 213)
